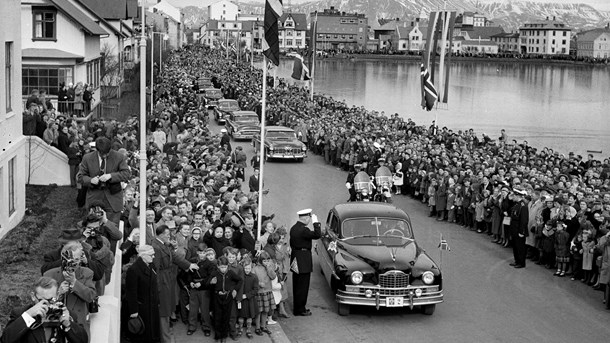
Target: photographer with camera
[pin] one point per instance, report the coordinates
(95, 235)
(97, 218)
(47, 320)
(102, 172)
(76, 285)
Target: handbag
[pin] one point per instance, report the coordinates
(506, 220)
(94, 306)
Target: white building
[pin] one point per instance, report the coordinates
(12, 141)
(223, 10)
(548, 37)
(167, 19)
(292, 31)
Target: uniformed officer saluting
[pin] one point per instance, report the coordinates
(301, 263)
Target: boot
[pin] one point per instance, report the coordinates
(282, 311)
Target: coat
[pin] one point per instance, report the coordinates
(164, 260)
(518, 220)
(253, 183)
(116, 166)
(83, 292)
(17, 331)
(441, 196)
(301, 238)
(142, 296)
(603, 246)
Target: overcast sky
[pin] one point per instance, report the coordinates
(598, 4)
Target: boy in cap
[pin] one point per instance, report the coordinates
(199, 291)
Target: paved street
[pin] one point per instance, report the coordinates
(485, 299)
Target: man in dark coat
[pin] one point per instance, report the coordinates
(142, 295)
(301, 262)
(254, 181)
(519, 217)
(164, 259)
(102, 172)
(24, 325)
(225, 139)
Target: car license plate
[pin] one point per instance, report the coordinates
(394, 301)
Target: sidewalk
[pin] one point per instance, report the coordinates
(277, 335)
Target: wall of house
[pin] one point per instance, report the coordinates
(11, 137)
(69, 34)
(223, 10)
(44, 164)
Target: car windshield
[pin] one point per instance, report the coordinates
(228, 105)
(213, 93)
(281, 134)
(374, 227)
(246, 119)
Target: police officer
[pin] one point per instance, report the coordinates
(301, 263)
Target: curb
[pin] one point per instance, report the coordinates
(278, 335)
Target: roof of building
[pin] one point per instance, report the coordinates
(389, 26)
(403, 32)
(48, 53)
(167, 8)
(300, 20)
(483, 32)
(81, 18)
(592, 35)
(545, 25)
(113, 9)
(506, 35)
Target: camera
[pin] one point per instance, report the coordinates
(53, 316)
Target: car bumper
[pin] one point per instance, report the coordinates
(355, 295)
(287, 156)
(243, 135)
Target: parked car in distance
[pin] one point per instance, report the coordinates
(242, 124)
(369, 257)
(281, 143)
(212, 95)
(223, 108)
(204, 83)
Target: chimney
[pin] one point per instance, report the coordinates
(547, 18)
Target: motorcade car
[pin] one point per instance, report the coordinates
(242, 124)
(280, 143)
(369, 257)
(204, 83)
(223, 108)
(212, 95)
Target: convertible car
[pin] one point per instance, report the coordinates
(369, 257)
(282, 143)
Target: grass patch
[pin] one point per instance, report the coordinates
(50, 209)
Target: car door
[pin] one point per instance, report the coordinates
(327, 250)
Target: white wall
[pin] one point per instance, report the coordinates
(223, 10)
(47, 164)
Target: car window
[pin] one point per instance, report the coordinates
(246, 119)
(334, 225)
(281, 134)
(376, 227)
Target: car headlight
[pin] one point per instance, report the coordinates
(427, 277)
(356, 277)
(303, 147)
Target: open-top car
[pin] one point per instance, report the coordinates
(223, 108)
(281, 143)
(212, 95)
(369, 257)
(242, 124)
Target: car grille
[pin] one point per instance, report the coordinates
(394, 279)
(287, 150)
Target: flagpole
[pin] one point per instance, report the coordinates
(441, 258)
(313, 57)
(262, 151)
(275, 76)
(143, 160)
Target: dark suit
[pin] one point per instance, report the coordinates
(111, 193)
(519, 217)
(16, 331)
(253, 183)
(142, 296)
(300, 242)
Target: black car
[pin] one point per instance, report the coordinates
(223, 108)
(369, 257)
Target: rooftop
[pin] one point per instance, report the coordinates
(81, 18)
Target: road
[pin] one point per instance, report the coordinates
(486, 300)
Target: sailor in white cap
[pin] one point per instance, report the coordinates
(301, 263)
(519, 218)
(225, 139)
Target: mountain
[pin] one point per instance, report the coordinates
(511, 14)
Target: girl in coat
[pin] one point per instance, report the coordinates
(547, 239)
(265, 272)
(247, 307)
(562, 249)
(588, 243)
(577, 253)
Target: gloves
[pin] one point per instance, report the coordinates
(314, 218)
(348, 185)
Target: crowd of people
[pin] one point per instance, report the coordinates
(203, 263)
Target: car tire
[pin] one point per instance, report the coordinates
(428, 309)
(343, 309)
(299, 160)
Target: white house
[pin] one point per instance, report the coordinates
(292, 30)
(547, 37)
(12, 141)
(594, 43)
(168, 20)
(223, 10)
(60, 43)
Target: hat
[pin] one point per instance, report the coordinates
(145, 250)
(304, 212)
(223, 130)
(381, 159)
(520, 192)
(376, 145)
(358, 165)
(135, 325)
(71, 234)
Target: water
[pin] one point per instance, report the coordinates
(563, 107)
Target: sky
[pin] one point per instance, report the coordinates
(603, 5)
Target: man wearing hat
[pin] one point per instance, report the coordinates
(225, 139)
(519, 218)
(301, 263)
(142, 297)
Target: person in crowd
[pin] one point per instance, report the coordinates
(199, 298)
(519, 218)
(265, 273)
(225, 287)
(102, 172)
(301, 265)
(29, 324)
(247, 306)
(142, 295)
(562, 249)
(51, 134)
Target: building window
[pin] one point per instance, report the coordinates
(11, 186)
(564, 33)
(47, 78)
(288, 42)
(8, 74)
(298, 33)
(44, 24)
(93, 73)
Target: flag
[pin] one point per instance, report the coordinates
(311, 49)
(428, 91)
(222, 45)
(299, 69)
(271, 43)
(443, 244)
(232, 47)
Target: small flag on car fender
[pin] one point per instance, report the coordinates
(443, 245)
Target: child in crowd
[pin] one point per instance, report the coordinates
(199, 298)
(246, 306)
(459, 211)
(577, 255)
(588, 244)
(451, 204)
(225, 285)
(397, 178)
(431, 199)
(231, 254)
(265, 272)
(547, 253)
(562, 248)
(214, 238)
